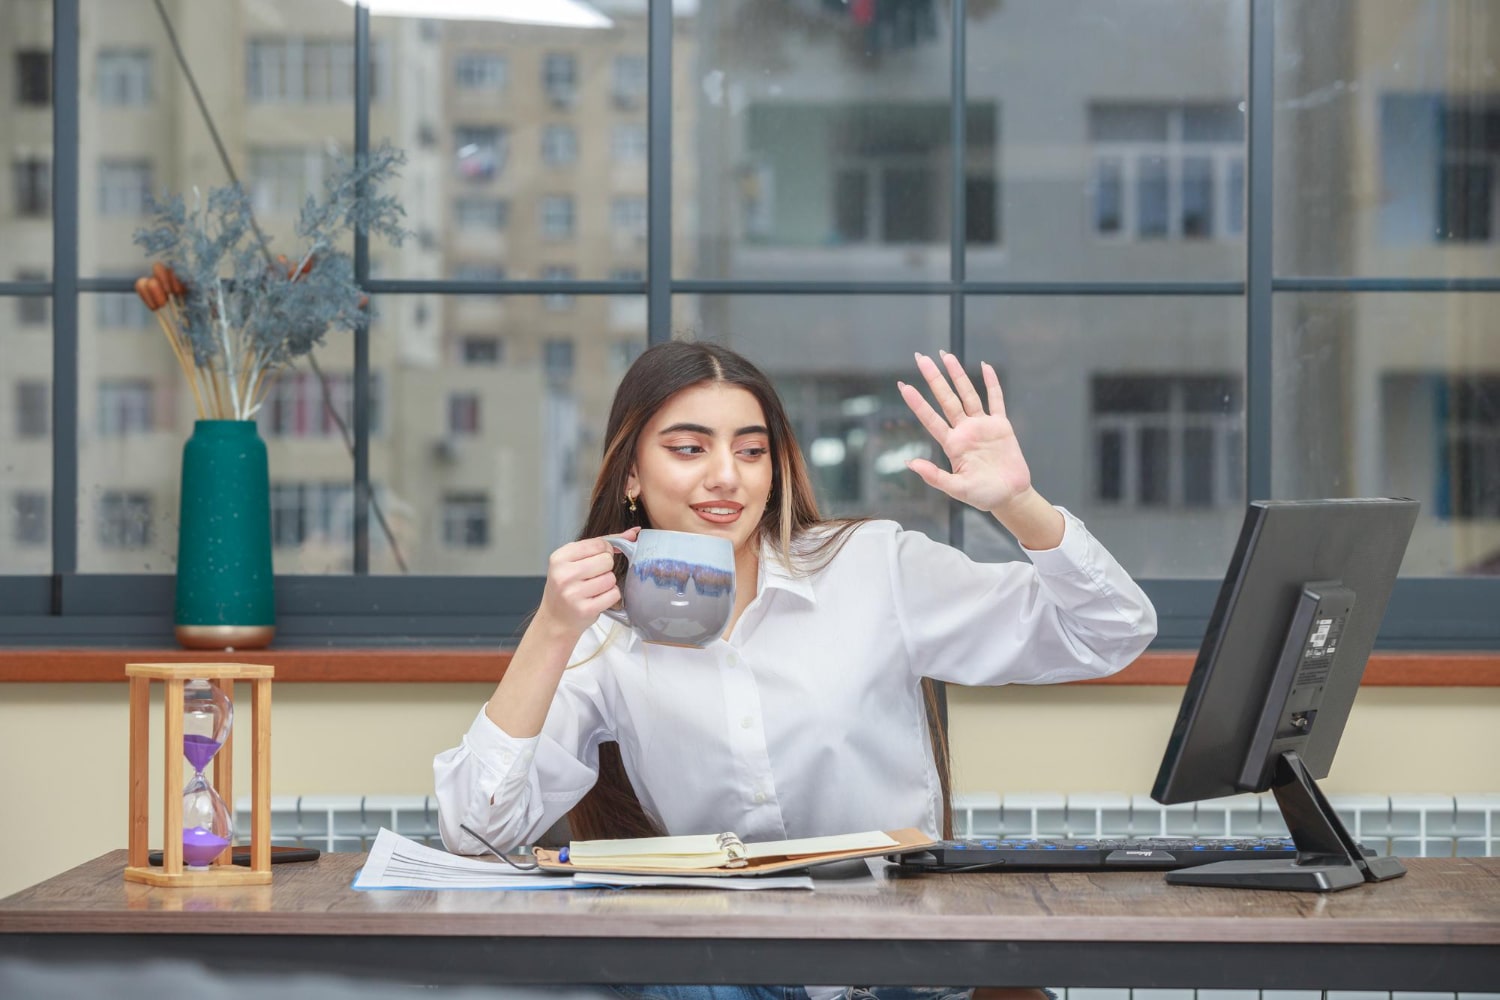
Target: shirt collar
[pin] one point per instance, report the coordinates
(773, 575)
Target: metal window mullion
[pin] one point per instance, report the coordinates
(659, 171)
(958, 222)
(361, 428)
(65, 353)
(1258, 260)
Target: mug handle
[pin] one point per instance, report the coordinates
(627, 549)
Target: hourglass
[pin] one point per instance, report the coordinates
(207, 826)
(198, 713)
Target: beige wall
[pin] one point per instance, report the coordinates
(64, 748)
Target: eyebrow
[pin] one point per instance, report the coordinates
(708, 431)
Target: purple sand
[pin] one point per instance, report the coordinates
(199, 750)
(200, 846)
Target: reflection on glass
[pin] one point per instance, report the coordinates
(502, 403)
(855, 430)
(1364, 407)
(1131, 415)
(1389, 144)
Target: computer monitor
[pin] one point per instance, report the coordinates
(1276, 676)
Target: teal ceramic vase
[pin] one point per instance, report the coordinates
(225, 592)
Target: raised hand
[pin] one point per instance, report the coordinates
(988, 469)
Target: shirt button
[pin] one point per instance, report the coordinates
(760, 797)
(747, 722)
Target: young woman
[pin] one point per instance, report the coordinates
(813, 714)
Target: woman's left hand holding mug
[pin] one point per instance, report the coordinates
(580, 584)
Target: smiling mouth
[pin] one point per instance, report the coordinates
(718, 513)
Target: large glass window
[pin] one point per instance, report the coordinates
(1073, 207)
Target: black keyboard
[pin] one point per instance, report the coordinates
(1091, 854)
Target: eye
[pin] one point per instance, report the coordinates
(755, 451)
(685, 449)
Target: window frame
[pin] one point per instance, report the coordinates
(70, 607)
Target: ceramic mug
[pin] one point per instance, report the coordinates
(679, 587)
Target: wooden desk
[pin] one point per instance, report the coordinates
(1438, 928)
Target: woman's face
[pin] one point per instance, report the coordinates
(703, 463)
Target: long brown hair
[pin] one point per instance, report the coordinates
(611, 808)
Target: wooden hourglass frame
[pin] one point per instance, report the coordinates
(222, 676)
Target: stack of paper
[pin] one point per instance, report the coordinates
(396, 862)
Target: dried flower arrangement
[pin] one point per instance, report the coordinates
(236, 317)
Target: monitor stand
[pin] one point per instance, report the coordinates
(1328, 858)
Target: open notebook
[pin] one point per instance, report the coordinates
(719, 854)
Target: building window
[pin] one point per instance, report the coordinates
(622, 354)
(1168, 172)
(309, 70)
(31, 310)
(558, 301)
(481, 351)
(1469, 474)
(557, 216)
(481, 214)
(33, 184)
(124, 520)
(121, 311)
(1168, 441)
(311, 512)
(126, 406)
(295, 407)
(124, 187)
(34, 78)
(629, 81)
(487, 273)
(33, 409)
(30, 514)
(560, 78)
(480, 71)
(480, 151)
(559, 145)
(557, 359)
(463, 413)
(627, 216)
(281, 178)
(628, 143)
(466, 520)
(882, 174)
(1440, 168)
(122, 77)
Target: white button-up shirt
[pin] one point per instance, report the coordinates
(809, 718)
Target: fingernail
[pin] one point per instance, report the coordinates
(942, 353)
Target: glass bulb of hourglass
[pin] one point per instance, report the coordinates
(207, 714)
(207, 827)
(207, 824)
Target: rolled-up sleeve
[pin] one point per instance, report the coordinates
(1071, 613)
(512, 790)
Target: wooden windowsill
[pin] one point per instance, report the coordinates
(458, 666)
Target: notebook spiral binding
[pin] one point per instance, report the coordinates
(735, 848)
